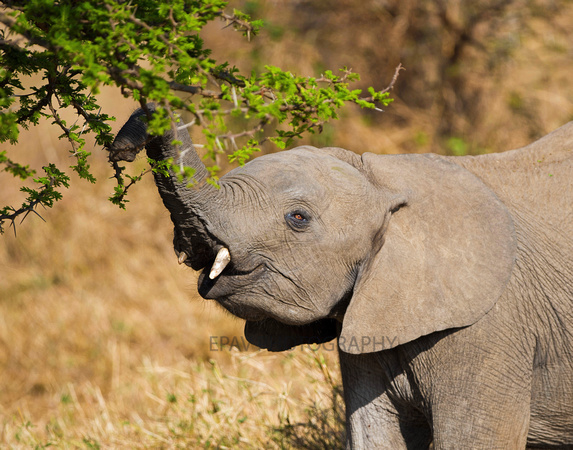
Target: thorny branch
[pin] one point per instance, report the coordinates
(302, 108)
(118, 172)
(388, 88)
(242, 24)
(27, 209)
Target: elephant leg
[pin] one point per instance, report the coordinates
(481, 388)
(375, 416)
(483, 406)
(366, 428)
(500, 425)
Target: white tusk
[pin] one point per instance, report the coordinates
(223, 258)
(182, 257)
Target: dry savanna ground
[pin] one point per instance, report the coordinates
(104, 342)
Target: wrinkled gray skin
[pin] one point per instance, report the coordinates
(448, 281)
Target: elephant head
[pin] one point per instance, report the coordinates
(310, 244)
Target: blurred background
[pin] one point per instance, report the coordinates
(104, 341)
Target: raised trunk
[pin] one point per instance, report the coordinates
(187, 204)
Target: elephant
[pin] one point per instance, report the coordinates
(447, 280)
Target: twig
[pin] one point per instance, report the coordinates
(394, 78)
(234, 20)
(10, 22)
(390, 86)
(118, 171)
(28, 209)
(60, 123)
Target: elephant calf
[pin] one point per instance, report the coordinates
(448, 281)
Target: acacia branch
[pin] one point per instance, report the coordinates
(12, 44)
(42, 103)
(388, 88)
(10, 23)
(239, 24)
(26, 209)
(118, 172)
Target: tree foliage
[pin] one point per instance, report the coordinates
(152, 51)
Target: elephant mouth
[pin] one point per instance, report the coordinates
(230, 282)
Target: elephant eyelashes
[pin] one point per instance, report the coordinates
(298, 220)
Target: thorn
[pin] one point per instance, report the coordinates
(235, 101)
(182, 257)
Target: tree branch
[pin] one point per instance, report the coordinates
(10, 23)
(26, 209)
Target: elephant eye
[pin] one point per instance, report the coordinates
(298, 220)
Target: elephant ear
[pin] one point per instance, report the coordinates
(445, 256)
(275, 336)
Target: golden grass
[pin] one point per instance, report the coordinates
(199, 404)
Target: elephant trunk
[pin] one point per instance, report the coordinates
(186, 204)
